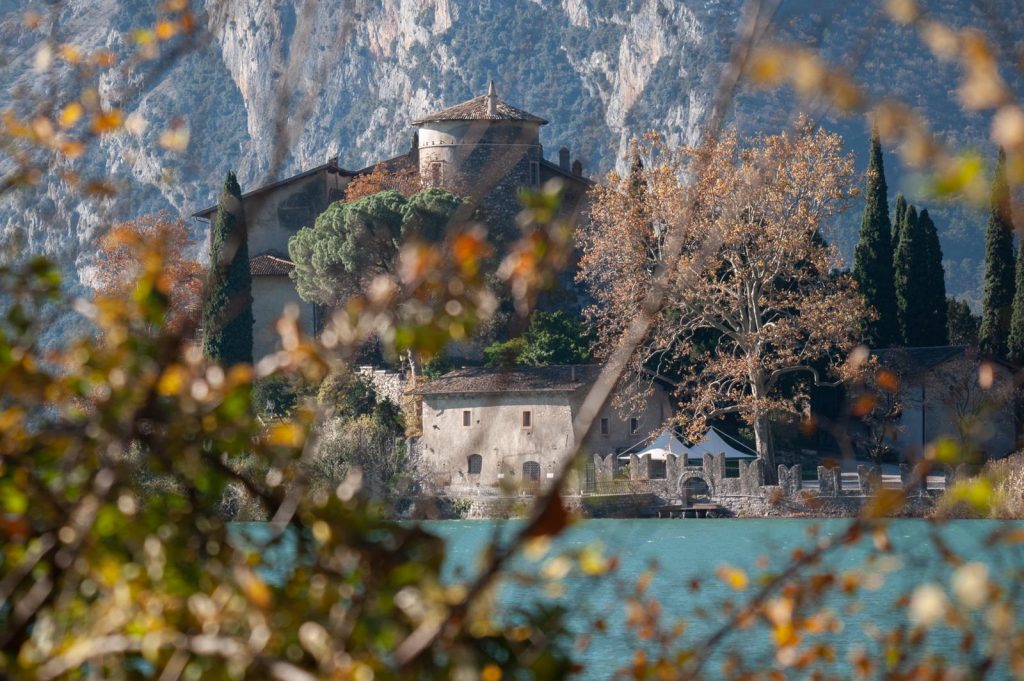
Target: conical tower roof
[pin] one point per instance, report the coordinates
(483, 108)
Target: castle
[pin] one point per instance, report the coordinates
(483, 148)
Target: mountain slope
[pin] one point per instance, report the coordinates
(353, 73)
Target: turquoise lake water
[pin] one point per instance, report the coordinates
(681, 550)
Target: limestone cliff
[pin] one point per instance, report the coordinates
(275, 87)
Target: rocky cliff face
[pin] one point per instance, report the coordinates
(275, 87)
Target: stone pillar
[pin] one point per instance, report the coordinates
(718, 470)
(830, 482)
(755, 476)
(708, 466)
(634, 467)
(870, 478)
(645, 467)
(913, 479)
(674, 467)
(790, 479)
(744, 478)
(604, 468)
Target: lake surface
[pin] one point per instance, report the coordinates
(679, 551)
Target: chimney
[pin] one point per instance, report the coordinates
(563, 158)
(492, 100)
(577, 168)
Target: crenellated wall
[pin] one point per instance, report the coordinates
(746, 493)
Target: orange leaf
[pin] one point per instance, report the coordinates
(107, 121)
(552, 519)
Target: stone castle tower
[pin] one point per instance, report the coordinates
(483, 147)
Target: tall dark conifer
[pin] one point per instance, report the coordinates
(910, 279)
(999, 268)
(937, 331)
(227, 304)
(897, 220)
(1015, 342)
(872, 260)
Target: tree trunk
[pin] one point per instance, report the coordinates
(762, 429)
(765, 448)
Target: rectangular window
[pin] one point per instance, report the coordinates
(526, 419)
(634, 425)
(435, 174)
(604, 426)
(535, 173)
(467, 418)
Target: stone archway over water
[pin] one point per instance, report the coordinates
(694, 479)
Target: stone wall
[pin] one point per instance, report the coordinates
(481, 507)
(746, 495)
(387, 385)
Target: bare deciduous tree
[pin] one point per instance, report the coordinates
(748, 323)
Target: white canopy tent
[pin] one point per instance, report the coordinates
(667, 443)
(713, 443)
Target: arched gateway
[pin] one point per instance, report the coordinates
(694, 485)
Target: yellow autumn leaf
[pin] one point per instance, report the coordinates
(72, 148)
(143, 36)
(592, 562)
(735, 577)
(70, 53)
(285, 435)
(768, 67)
(902, 11)
(173, 380)
(43, 129)
(175, 138)
(71, 114)
(254, 588)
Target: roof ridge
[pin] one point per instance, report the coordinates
(483, 107)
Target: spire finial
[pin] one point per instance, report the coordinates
(492, 99)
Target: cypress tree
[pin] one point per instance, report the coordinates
(227, 304)
(1015, 343)
(962, 323)
(872, 260)
(999, 275)
(910, 280)
(897, 221)
(937, 331)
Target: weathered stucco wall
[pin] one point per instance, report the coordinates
(273, 216)
(270, 295)
(496, 434)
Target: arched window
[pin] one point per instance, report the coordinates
(476, 464)
(531, 471)
(695, 487)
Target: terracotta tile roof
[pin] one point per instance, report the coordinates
(917, 359)
(562, 378)
(476, 110)
(270, 264)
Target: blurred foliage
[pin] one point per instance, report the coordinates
(98, 577)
